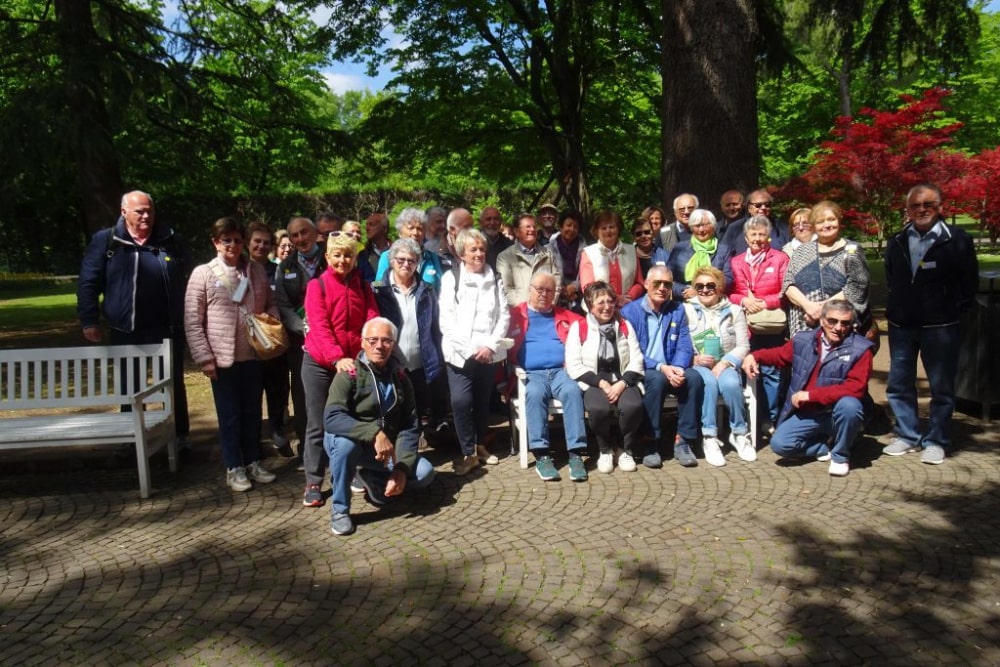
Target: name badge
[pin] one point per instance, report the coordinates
(928, 265)
(769, 269)
(241, 290)
(291, 275)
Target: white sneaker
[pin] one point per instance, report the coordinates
(625, 462)
(743, 446)
(823, 458)
(236, 479)
(259, 473)
(713, 452)
(606, 462)
(839, 469)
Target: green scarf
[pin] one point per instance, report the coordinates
(703, 251)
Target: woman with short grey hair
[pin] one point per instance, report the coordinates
(411, 224)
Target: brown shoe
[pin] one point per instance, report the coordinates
(465, 465)
(485, 457)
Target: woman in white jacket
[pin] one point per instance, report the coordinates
(603, 356)
(474, 319)
(721, 339)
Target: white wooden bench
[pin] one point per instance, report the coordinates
(519, 419)
(81, 381)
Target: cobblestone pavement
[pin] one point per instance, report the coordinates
(898, 563)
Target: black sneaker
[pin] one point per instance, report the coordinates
(341, 524)
(373, 494)
(313, 497)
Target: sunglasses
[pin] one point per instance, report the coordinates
(354, 235)
(919, 206)
(760, 204)
(657, 284)
(228, 242)
(704, 287)
(644, 232)
(833, 321)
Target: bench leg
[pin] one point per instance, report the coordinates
(522, 433)
(172, 456)
(142, 461)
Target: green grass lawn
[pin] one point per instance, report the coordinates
(37, 308)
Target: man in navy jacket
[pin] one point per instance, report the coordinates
(662, 331)
(932, 275)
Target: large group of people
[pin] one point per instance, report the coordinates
(388, 338)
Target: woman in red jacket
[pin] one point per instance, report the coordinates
(337, 304)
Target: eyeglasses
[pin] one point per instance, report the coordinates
(704, 287)
(354, 235)
(833, 321)
(543, 290)
(405, 260)
(644, 232)
(760, 204)
(228, 242)
(802, 225)
(372, 341)
(657, 284)
(686, 209)
(921, 205)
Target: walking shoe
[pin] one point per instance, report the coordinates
(713, 452)
(625, 462)
(373, 493)
(236, 479)
(577, 470)
(898, 447)
(683, 453)
(546, 469)
(933, 454)
(356, 485)
(485, 457)
(744, 447)
(313, 497)
(652, 460)
(259, 473)
(465, 465)
(606, 462)
(823, 458)
(341, 524)
(839, 469)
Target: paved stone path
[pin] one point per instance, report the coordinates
(899, 563)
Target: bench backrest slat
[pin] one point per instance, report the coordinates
(97, 375)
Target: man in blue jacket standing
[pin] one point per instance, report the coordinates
(661, 328)
(141, 268)
(932, 275)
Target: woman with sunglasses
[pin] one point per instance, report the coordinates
(719, 333)
(338, 303)
(644, 239)
(828, 268)
(219, 296)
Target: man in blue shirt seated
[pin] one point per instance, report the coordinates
(539, 331)
(661, 327)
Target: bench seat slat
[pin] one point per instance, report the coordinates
(63, 430)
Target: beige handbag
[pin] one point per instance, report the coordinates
(266, 334)
(768, 322)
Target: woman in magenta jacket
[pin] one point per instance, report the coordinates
(338, 303)
(757, 277)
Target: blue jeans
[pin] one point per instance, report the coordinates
(731, 386)
(770, 376)
(347, 455)
(237, 391)
(938, 349)
(689, 398)
(807, 435)
(540, 387)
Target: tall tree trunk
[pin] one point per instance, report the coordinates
(90, 139)
(709, 108)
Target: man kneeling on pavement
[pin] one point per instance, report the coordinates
(539, 330)
(371, 422)
(823, 412)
